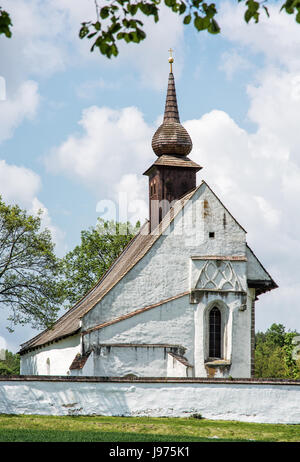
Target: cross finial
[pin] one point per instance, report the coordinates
(171, 59)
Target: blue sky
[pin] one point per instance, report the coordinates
(76, 128)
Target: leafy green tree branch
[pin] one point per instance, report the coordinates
(121, 20)
(5, 23)
(30, 283)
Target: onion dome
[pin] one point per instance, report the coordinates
(171, 137)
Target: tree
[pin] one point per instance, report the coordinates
(99, 247)
(120, 19)
(273, 353)
(5, 23)
(11, 364)
(30, 284)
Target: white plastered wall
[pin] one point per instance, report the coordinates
(165, 270)
(248, 402)
(168, 270)
(139, 361)
(52, 359)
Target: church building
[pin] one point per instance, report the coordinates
(179, 301)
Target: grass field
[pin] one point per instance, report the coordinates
(33, 428)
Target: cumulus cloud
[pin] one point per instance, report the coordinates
(111, 145)
(276, 38)
(20, 185)
(18, 106)
(45, 37)
(45, 41)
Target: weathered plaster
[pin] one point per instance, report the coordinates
(246, 402)
(132, 360)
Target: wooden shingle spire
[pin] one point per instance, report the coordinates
(171, 137)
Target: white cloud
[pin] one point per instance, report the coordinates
(45, 41)
(111, 143)
(3, 345)
(21, 105)
(276, 38)
(132, 196)
(20, 185)
(232, 62)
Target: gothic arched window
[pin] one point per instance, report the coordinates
(215, 333)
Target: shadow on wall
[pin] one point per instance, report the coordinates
(52, 397)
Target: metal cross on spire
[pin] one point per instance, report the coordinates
(171, 59)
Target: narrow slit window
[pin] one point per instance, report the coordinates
(211, 235)
(215, 333)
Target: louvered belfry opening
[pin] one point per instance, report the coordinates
(215, 333)
(173, 173)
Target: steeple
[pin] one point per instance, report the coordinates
(173, 174)
(171, 108)
(171, 137)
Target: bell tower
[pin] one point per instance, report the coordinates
(173, 174)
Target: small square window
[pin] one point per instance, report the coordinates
(211, 235)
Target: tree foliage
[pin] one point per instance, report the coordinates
(273, 354)
(30, 284)
(11, 364)
(122, 19)
(5, 23)
(99, 247)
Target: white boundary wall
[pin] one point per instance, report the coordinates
(239, 400)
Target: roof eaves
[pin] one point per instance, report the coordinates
(275, 286)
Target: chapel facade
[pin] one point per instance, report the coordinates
(180, 299)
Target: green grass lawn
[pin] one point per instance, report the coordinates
(33, 428)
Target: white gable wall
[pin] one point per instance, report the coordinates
(168, 270)
(165, 270)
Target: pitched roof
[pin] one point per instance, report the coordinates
(261, 285)
(70, 322)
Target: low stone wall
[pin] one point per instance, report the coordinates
(248, 400)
